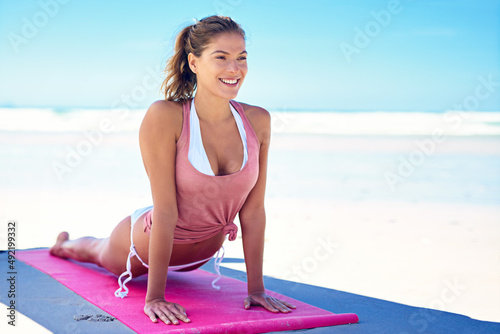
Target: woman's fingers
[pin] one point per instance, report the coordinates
(288, 304)
(279, 305)
(163, 317)
(181, 309)
(166, 316)
(269, 303)
(169, 313)
(179, 312)
(172, 314)
(151, 315)
(247, 303)
(262, 301)
(270, 307)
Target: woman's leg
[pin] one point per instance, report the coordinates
(110, 253)
(85, 249)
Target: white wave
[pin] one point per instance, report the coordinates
(292, 122)
(75, 120)
(387, 123)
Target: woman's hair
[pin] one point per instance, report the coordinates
(180, 82)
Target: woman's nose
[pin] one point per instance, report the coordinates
(233, 66)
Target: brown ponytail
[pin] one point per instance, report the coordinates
(180, 82)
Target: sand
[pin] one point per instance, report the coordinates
(332, 218)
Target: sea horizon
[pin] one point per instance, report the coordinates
(284, 120)
(63, 109)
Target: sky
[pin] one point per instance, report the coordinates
(396, 55)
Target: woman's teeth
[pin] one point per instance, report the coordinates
(229, 82)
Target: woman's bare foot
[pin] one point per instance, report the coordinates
(57, 249)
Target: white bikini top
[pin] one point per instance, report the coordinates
(197, 155)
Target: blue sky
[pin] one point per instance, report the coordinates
(340, 55)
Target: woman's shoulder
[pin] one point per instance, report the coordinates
(163, 116)
(259, 118)
(256, 114)
(165, 109)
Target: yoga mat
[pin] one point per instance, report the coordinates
(210, 311)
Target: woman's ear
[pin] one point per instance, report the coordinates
(192, 62)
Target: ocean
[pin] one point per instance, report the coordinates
(456, 123)
(449, 156)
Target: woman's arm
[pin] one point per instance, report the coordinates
(253, 221)
(158, 135)
(252, 214)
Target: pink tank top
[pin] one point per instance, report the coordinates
(208, 204)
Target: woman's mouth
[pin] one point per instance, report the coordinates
(230, 82)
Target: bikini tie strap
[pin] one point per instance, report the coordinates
(231, 229)
(122, 291)
(217, 261)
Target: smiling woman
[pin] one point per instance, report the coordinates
(181, 81)
(206, 159)
(232, 41)
(222, 66)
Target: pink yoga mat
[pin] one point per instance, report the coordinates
(210, 311)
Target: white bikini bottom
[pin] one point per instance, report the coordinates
(123, 290)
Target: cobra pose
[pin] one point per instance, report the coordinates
(206, 159)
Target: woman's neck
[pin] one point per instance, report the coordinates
(210, 108)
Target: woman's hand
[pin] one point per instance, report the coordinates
(169, 313)
(269, 303)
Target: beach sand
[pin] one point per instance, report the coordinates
(433, 240)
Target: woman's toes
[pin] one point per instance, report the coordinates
(62, 237)
(56, 249)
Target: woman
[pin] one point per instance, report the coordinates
(206, 159)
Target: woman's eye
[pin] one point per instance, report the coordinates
(224, 58)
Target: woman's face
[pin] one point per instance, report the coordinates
(222, 66)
